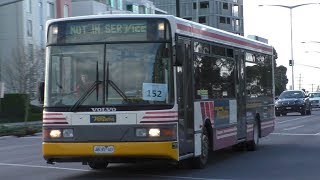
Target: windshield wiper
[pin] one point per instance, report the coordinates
(114, 86)
(85, 95)
(118, 90)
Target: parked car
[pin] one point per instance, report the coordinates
(293, 101)
(315, 99)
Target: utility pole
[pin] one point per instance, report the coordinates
(178, 8)
(311, 87)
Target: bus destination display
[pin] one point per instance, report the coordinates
(100, 31)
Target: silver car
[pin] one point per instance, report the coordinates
(315, 99)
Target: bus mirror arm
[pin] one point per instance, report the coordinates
(179, 55)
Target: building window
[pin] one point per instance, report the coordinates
(29, 28)
(202, 19)
(235, 10)
(228, 21)
(135, 9)
(188, 18)
(222, 20)
(204, 5)
(50, 10)
(130, 7)
(142, 10)
(65, 10)
(194, 5)
(30, 51)
(120, 5)
(225, 6)
(28, 6)
(237, 25)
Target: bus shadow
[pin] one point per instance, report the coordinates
(155, 169)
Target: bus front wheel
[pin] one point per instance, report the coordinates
(201, 161)
(98, 165)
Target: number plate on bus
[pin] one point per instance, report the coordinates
(103, 149)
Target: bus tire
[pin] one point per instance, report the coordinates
(98, 165)
(201, 161)
(253, 144)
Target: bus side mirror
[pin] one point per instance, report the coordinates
(180, 55)
(41, 92)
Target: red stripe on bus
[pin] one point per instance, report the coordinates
(211, 112)
(207, 110)
(58, 119)
(150, 117)
(52, 114)
(202, 110)
(162, 112)
(158, 121)
(221, 37)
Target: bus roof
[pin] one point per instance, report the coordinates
(188, 28)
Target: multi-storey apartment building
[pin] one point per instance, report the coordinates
(222, 14)
(89, 7)
(23, 29)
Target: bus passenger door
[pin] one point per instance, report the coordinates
(185, 99)
(241, 96)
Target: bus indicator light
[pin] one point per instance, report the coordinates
(68, 133)
(141, 132)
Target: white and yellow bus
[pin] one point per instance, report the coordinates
(159, 87)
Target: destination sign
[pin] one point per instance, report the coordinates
(106, 30)
(99, 28)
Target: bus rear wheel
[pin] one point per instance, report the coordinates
(98, 165)
(201, 161)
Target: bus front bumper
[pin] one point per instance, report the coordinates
(121, 151)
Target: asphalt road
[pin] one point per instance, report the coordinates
(291, 152)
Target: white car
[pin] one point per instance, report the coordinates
(315, 99)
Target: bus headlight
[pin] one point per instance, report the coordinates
(154, 132)
(141, 132)
(68, 133)
(55, 133)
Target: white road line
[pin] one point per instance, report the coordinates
(295, 134)
(294, 119)
(46, 167)
(296, 127)
(32, 137)
(179, 177)
(86, 170)
(17, 147)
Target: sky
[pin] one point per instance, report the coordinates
(273, 23)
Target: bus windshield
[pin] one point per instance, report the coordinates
(110, 74)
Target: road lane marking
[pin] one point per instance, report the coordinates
(179, 177)
(294, 119)
(87, 170)
(17, 147)
(46, 167)
(295, 127)
(295, 134)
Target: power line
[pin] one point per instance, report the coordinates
(308, 66)
(10, 2)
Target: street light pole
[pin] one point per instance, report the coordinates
(291, 34)
(292, 72)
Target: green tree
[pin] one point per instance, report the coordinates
(281, 79)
